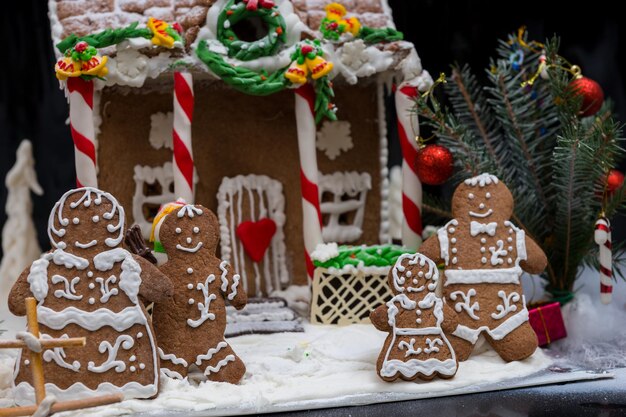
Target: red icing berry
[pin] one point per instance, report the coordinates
(306, 49)
(81, 46)
(177, 27)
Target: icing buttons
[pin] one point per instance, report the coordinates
(191, 301)
(190, 286)
(139, 335)
(178, 230)
(483, 240)
(92, 285)
(90, 274)
(454, 250)
(190, 270)
(451, 230)
(92, 301)
(453, 240)
(470, 196)
(483, 260)
(196, 229)
(75, 220)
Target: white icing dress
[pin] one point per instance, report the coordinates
(472, 292)
(411, 349)
(97, 299)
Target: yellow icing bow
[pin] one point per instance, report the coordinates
(334, 24)
(164, 34)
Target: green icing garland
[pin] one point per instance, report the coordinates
(378, 255)
(105, 38)
(373, 35)
(268, 45)
(242, 79)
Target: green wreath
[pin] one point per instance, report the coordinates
(268, 45)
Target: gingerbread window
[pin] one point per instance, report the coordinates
(342, 203)
(153, 186)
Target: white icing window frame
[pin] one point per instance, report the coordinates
(353, 184)
(144, 174)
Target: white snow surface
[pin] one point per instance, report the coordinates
(324, 363)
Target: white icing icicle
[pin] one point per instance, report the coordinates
(482, 180)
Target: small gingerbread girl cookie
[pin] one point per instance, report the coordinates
(416, 346)
(484, 255)
(88, 285)
(190, 326)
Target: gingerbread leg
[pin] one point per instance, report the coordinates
(517, 345)
(462, 348)
(221, 364)
(176, 371)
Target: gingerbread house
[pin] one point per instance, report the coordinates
(230, 103)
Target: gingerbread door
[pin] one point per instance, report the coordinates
(251, 212)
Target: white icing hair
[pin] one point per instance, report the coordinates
(482, 180)
(190, 210)
(399, 279)
(90, 195)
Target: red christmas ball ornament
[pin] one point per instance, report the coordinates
(592, 94)
(434, 164)
(614, 180)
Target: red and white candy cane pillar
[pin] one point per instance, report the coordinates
(602, 237)
(183, 152)
(311, 214)
(83, 132)
(411, 185)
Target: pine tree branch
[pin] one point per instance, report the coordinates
(456, 77)
(522, 141)
(437, 211)
(568, 221)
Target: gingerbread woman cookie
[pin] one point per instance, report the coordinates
(190, 326)
(88, 285)
(484, 255)
(416, 346)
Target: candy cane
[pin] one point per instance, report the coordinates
(411, 185)
(311, 214)
(183, 152)
(83, 132)
(602, 236)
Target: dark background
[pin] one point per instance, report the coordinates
(33, 107)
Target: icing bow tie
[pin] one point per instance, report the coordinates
(489, 228)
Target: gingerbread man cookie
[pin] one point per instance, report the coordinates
(88, 285)
(484, 255)
(190, 326)
(416, 346)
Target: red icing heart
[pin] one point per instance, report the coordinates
(256, 237)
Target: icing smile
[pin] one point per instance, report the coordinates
(190, 250)
(481, 215)
(85, 245)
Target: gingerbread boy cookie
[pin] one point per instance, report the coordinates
(190, 326)
(88, 285)
(484, 255)
(416, 346)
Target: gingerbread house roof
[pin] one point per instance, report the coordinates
(83, 17)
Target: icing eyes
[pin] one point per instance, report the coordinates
(178, 230)
(196, 229)
(95, 219)
(75, 220)
(471, 196)
(488, 195)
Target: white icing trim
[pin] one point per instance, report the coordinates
(69, 290)
(483, 276)
(444, 243)
(90, 195)
(265, 196)
(91, 320)
(341, 184)
(24, 393)
(383, 155)
(213, 369)
(499, 333)
(507, 306)
(190, 250)
(170, 374)
(413, 259)
(125, 342)
(325, 251)
(212, 351)
(189, 210)
(482, 180)
(130, 277)
(204, 306)
(465, 304)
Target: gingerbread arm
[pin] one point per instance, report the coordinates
(231, 286)
(450, 318)
(536, 260)
(431, 249)
(379, 319)
(19, 292)
(155, 285)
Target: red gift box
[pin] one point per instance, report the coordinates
(547, 321)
